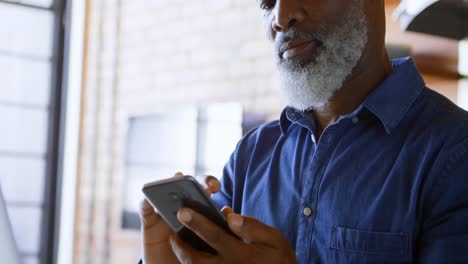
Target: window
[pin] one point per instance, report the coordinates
(31, 47)
(196, 141)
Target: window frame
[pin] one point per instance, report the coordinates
(55, 137)
(48, 249)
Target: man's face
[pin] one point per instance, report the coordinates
(317, 45)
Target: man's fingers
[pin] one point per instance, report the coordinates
(183, 252)
(213, 184)
(187, 254)
(226, 210)
(144, 204)
(254, 231)
(178, 175)
(211, 233)
(209, 183)
(148, 216)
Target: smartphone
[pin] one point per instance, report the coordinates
(170, 195)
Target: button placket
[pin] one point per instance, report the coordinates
(355, 120)
(313, 138)
(307, 211)
(320, 164)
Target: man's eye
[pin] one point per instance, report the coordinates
(267, 5)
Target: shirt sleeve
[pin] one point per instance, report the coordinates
(444, 237)
(224, 196)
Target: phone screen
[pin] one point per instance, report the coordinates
(168, 196)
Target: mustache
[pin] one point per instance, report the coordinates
(283, 37)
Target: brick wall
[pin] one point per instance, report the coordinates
(146, 56)
(194, 52)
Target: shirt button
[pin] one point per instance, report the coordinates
(355, 120)
(307, 211)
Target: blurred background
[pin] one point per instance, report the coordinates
(98, 97)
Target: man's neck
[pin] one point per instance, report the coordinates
(367, 75)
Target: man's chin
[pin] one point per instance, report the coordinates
(304, 106)
(297, 64)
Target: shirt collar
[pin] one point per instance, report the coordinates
(389, 102)
(392, 99)
(289, 116)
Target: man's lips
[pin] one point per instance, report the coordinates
(297, 47)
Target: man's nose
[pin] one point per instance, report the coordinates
(287, 13)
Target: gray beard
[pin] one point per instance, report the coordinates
(312, 86)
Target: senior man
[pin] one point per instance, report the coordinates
(365, 164)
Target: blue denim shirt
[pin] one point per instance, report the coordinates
(386, 183)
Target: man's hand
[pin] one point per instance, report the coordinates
(156, 247)
(264, 244)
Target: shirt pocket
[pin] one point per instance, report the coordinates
(357, 246)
